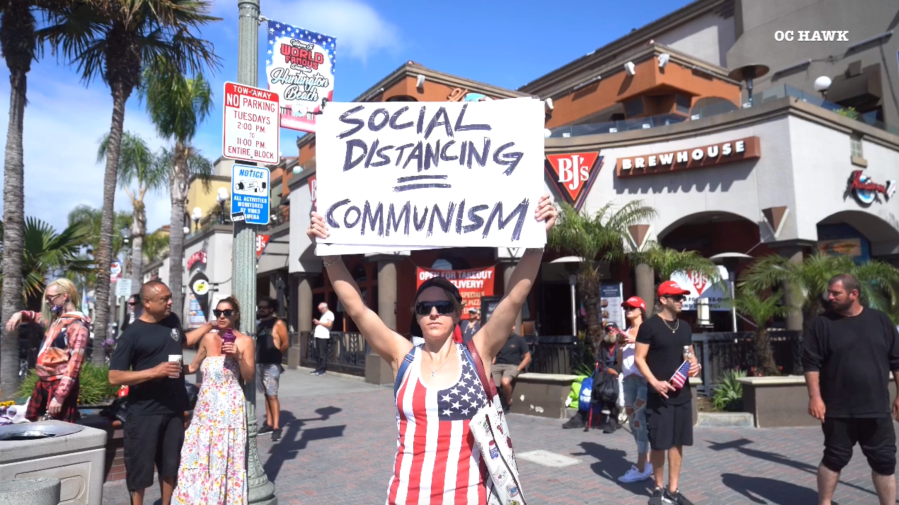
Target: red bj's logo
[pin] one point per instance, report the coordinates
(573, 174)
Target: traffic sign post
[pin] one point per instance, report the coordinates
(251, 127)
(250, 188)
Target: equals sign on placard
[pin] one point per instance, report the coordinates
(420, 182)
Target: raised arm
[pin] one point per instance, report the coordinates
(491, 337)
(193, 336)
(198, 359)
(385, 342)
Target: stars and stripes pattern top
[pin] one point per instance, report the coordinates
(437, 461)
(680, 376)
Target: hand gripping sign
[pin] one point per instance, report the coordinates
(423, 175)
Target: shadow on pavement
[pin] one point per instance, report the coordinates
(740, 446)
(611, 464)
(769, 491)
(290, 445)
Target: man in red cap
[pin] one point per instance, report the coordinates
(663, 344)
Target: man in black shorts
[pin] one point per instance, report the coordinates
(663, 343)
(848, 354)
(154, 428)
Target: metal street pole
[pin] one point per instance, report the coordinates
(243, 255)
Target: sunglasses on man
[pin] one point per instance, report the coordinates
(443, 307)
(677, 298)
(220, 313)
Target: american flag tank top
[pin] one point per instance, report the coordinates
(437, 461)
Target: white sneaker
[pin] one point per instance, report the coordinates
(634, 475)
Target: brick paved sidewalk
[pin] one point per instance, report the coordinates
(339, 450)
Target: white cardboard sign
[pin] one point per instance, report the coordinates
(251, 124)
(425, 175)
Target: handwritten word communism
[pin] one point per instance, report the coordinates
(406, 217)
(423, 154)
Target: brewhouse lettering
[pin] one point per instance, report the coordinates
(697, 157)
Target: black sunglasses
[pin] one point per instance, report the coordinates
(677, 298)
(443, 307)
(220, 313)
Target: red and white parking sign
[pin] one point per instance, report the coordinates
(251, 128)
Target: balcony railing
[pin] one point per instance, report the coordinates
(713, 109)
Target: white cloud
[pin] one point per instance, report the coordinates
(64, 122)
(360, 31)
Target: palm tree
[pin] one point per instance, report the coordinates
(761, 309)
(155, 246)
(177, 105)
(49, 254)
(600, 236)
(808, 281)
(18, 42)
(665, 262)
(113, 40)
(92, 219)
(137, 163)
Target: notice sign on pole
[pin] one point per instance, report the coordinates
(424, 175)
(249, 194)
(251, 128)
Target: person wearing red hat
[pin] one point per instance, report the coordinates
(635, 389)
(664, 342)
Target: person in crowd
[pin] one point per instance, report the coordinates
(148, 359)
(133, 311)
(213, 459)
(664, 343)
(271, 344)
(512, 359)
(322, 336)
(607, 362)
(848, 354)
(635, 389)
(436, 394)
(67, 333)
(471, 325)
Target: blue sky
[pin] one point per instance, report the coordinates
(507, 44)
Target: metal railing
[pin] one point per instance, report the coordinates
(710, 110)
(555, 354)
(346, 352)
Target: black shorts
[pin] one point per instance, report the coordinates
(669, 426)
(152, 441)
(876, 436)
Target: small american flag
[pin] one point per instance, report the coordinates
(680, 376)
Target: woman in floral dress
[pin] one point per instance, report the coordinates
(213, 470)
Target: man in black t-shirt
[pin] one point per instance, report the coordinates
(508, 363)
(848, 354)
(154, 429)
(664, 342)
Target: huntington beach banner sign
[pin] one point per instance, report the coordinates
(403, 176)
(300, 67)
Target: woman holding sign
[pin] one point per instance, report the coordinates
(439, 391)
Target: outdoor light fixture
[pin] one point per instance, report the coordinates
(126, 234)
(221, 199)
(549, 103)
(547, 133)
(420, 81)
(630, 68)
(703, 318)
(663, 59)
(197, 215)
(186, 230)
(822, 84)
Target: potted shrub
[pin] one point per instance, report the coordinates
(94, 389)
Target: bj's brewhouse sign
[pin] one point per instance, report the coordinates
(686, 159)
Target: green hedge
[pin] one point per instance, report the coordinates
(95, 387)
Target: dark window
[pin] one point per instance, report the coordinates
(633, 107)
(682, 104)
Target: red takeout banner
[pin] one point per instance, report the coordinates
(472, 284)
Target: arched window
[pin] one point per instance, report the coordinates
(401, 98)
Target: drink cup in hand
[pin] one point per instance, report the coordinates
(228, 339)
(176, 358)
